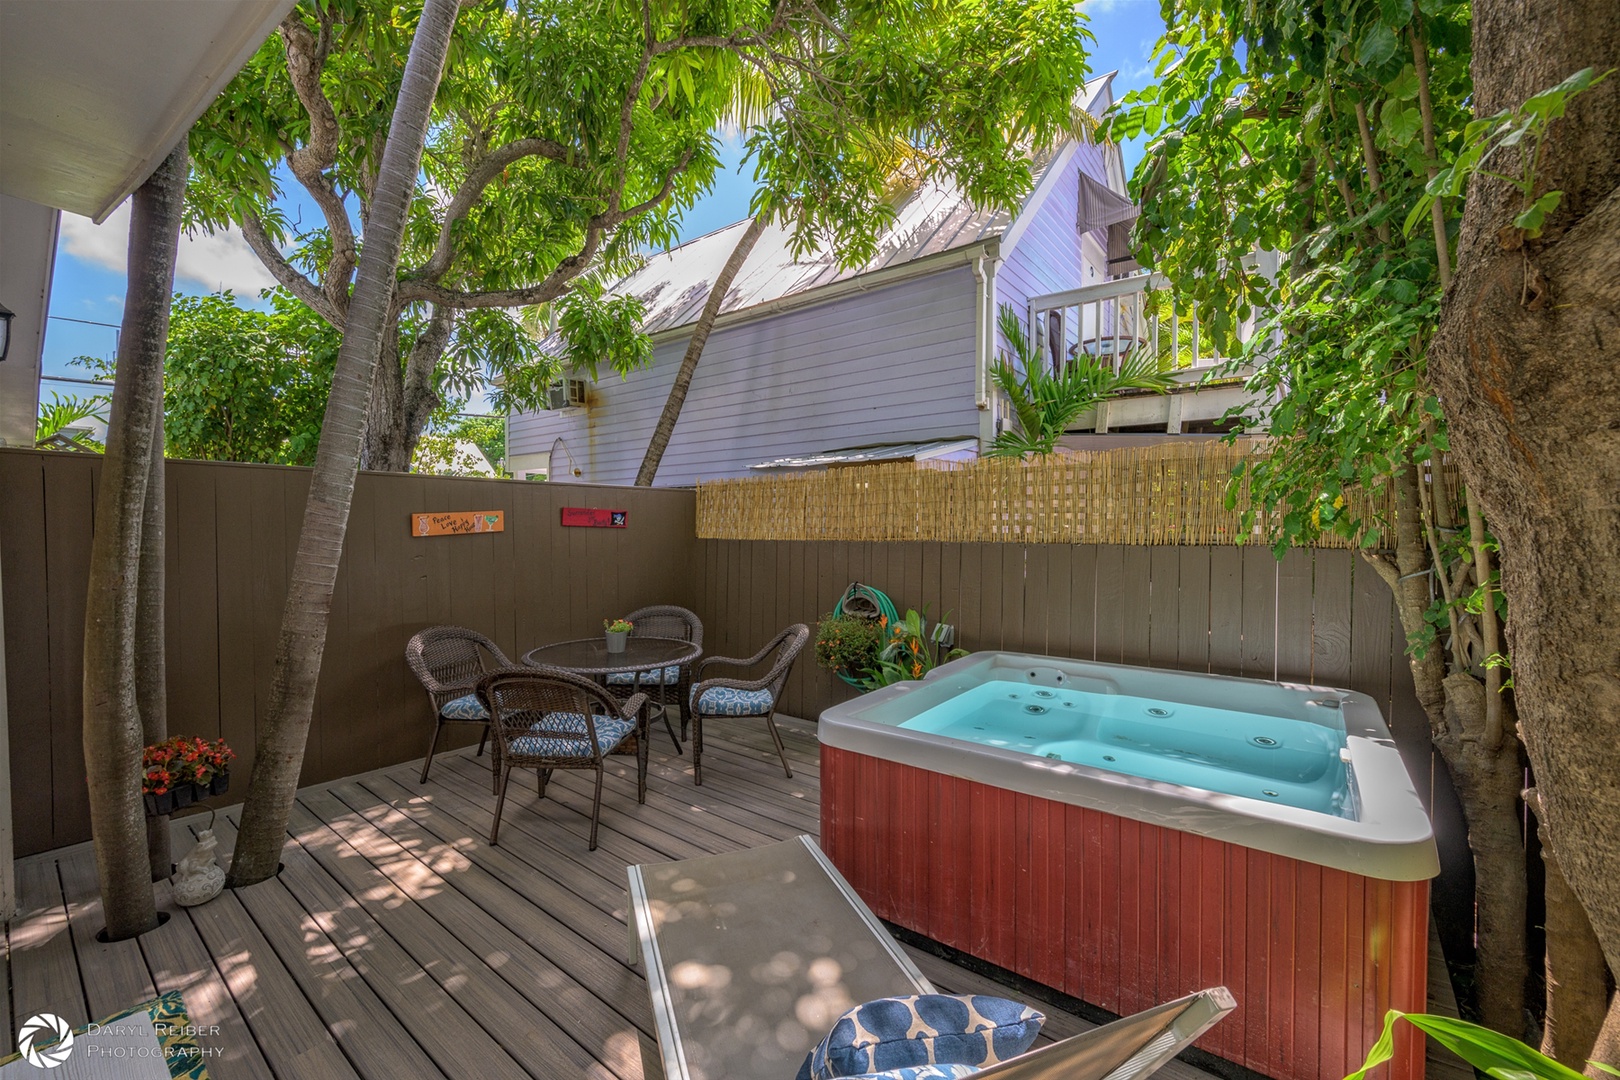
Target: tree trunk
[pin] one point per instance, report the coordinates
(326, 514)
(381, 446)
(113, 737)
(1527, 364)
(151, 658)
(694, 351)
(1577, 981)
(404, 398)
(1488, 782)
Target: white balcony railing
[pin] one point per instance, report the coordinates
(1126, 317)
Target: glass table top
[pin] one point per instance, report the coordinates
(589, 656)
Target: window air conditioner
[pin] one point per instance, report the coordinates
(566, 394)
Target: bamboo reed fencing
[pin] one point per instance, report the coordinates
(1170, 495)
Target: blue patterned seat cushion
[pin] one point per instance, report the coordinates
(921, 1072)
(729, 701)
(924, 1029)
(610, 732)
(466, 707)
(672, 676)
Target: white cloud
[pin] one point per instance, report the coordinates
(208, 261)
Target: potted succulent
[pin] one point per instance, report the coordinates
(617, 632)
(185, 769)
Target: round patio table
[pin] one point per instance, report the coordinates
(589, 657)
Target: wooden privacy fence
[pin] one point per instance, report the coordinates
(1160, 495)
(232, 532)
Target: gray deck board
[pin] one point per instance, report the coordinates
(398, 944)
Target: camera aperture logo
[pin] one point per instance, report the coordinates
(45, 1041)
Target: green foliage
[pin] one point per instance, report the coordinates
(1044, 404)
(57, 418)
(907, 652)
(1496, 1055)
(848, 644)
(1256, 144)
(245, 385)
(601, 119)
(441, 451)
(1522, 128)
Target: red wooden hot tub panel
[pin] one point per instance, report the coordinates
(1142, 914)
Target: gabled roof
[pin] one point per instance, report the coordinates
(674, 285)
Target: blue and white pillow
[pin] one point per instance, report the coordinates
(466, 707)
(924, 1029)
(671, 677)
(921, 1072)
(566, 736)
(729, 701)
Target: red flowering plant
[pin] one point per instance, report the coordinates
(184, 760)
(909, 651)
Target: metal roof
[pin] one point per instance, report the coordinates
(674, 285)
(866, 455)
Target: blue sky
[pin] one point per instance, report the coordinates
(90, 277)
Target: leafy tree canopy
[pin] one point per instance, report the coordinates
(245, 385)
(1301, 128)
(568, 138)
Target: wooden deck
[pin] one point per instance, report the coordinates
(397, 944)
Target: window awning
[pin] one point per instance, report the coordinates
(1101, 208)
(939, 449)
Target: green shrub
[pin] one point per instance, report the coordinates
(847, 644)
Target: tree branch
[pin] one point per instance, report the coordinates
(478, 178)
(1369, 154)
(286, 274)
(306, 57)
(556, 282)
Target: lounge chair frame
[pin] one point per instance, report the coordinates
(1127, 1049)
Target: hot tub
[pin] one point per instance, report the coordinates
(1128, 835)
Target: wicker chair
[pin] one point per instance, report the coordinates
(663, 621)
(719, 698)
(450, 660)
(546, 718)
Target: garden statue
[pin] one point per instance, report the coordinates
(199, 878)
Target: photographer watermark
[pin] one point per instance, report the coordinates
(47, 1040)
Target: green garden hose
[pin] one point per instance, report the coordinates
(864, 596)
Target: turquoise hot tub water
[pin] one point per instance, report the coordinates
(1273, 758)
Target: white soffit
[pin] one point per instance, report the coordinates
(94, 93)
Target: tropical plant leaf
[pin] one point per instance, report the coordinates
(1493, 1053)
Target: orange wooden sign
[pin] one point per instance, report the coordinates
(458, 523)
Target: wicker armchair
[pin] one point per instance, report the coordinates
(720, 698)
(546, 718)
(663, 621)
(449, 660)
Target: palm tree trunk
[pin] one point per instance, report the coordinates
(113, 736)
(326, 515)
(151, 660)
(694, 351)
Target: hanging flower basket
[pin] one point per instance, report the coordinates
(181, 771)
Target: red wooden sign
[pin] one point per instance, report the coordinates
(593, 518)
(458, 523)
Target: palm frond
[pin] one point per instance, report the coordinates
(1045, 404)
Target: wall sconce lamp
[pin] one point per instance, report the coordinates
(6, 315)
